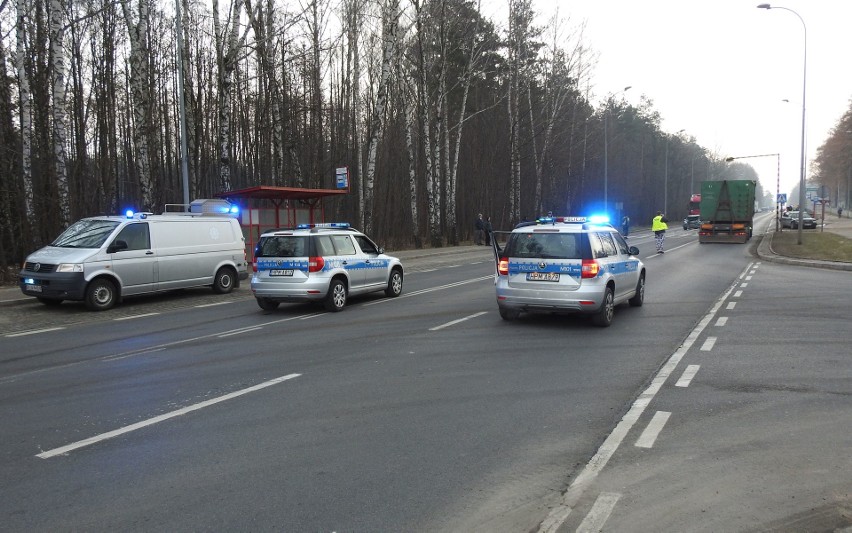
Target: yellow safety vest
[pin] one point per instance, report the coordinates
(658, 225)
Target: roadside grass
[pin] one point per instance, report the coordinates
(816, 244)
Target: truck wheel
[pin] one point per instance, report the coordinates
(223, 283)
(100, 295)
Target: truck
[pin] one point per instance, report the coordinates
(727, 211)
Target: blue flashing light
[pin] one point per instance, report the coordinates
(234, 210)
(129, 213)
(546, 220)
(599, 219)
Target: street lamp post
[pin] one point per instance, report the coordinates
(606, 155)
(804, 93)
(666, 176)
(777, 183)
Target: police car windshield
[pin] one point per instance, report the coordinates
(545, 245)
(87, 233)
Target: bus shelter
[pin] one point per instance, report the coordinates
(264, 208)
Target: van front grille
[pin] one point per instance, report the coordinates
(39, 267)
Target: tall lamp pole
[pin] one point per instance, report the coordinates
(777, 183)
(606, 155)
(804, 93)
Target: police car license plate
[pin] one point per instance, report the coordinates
(542, 276)
(34, 288)
(288, 272)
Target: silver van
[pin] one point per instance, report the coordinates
(99, 260)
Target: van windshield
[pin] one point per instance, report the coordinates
(86, 233)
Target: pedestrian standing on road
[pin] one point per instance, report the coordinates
(839, 212)
(625, 225)
(488, 229)
(479, 229)
(659, 227)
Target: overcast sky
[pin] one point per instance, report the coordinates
(720, 69)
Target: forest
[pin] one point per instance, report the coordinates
(439, 113)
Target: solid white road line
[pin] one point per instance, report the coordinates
(649, 436)
(599, 513)
(708, 344)
(688, 374)
(133, 427)
(454, 322)
(211, 305)
(32, 332)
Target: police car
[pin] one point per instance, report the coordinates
(567, 265)
(325, 263)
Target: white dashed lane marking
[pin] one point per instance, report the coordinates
(688, 374)
(708, 344)
(649, 436)
(601, 510)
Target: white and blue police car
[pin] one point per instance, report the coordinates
(567, 265)
(325, 263)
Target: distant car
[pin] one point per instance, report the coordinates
(790, 219)
(324, 263)
(567, 265)
(692, 222)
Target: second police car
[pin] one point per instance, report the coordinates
(567, 265)
(321, 263)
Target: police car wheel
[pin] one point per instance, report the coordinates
(394, 284)
(223, 283)
(638, 298)
(266, 304)
(100, 295)
(335, 299)
(509, 314)
(603, 318)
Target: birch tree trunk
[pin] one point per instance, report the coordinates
(390, 18)
(228, 43)
(60, 128)
(138, 34)
(26, 115)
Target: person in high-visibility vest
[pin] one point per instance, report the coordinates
(659, 227)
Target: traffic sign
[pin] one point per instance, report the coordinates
(782, 198)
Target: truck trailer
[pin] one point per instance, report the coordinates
(727, 211)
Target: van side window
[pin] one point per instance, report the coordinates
(343, 245)
(136, 236)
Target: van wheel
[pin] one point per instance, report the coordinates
(52, 302)
(266, 304)
(100, 295)
(603, 318)
(335, 299)
(223, 283)
(639, 298)
(394, 284)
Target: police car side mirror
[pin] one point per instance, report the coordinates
(117, 246)
(633, 250)
(380, 250)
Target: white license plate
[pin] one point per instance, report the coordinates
(34, 288)
(281, 272)
(542, 276)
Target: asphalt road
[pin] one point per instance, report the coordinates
(427, 412)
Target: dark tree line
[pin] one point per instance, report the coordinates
(438, 112)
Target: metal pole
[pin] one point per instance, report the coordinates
(666, 180)
(606, 159)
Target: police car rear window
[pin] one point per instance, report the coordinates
(547, 245)
(283, 246)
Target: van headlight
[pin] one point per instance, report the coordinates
(70, 267)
